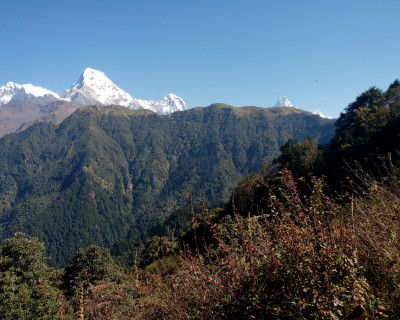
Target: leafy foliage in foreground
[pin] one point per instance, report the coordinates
(366, 130)
(26, 290)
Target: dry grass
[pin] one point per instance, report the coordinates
(299, 262)
(375, 211)
(306, 259)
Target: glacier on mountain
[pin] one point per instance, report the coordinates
(170, 103)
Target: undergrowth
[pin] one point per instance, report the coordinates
(306, 259)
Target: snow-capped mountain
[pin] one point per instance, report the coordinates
(93, 87)
(13, 91)
(283, 102)
(319, 113)
(23, 105)
(170, 103)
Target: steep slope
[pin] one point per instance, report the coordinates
(94, 88)
(106, 173)
(19, 114)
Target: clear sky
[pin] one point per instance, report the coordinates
(320, 54)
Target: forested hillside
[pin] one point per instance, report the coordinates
(311, 236)
(108, 173)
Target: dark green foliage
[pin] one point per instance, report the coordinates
(253, 192)
(87, 267)
(347, 132)
(109, 173)
(24, 256)
(366, 130)
(280, 249)
(25, 288)
(157, 248)
(302, 158)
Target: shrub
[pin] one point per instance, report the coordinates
(375, 212)
(298, 261)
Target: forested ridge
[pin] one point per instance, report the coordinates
(313, 233)
(108, 173)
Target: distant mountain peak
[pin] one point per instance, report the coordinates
(90, 72)
(13, 91)
(175, 102)
(92, 77)
(94, 87)
(283, 102)
(319, 113)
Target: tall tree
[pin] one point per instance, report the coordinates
(301, 158)
(346, 129)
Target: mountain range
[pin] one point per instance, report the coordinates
(23, 105)
(285, 102)
(12, 91)
(96, 165)
(106, 173)
(93, 88)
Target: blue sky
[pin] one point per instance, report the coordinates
(319, 54)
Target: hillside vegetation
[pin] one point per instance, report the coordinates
(289, 243)
(108, 173)
(306, 259)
